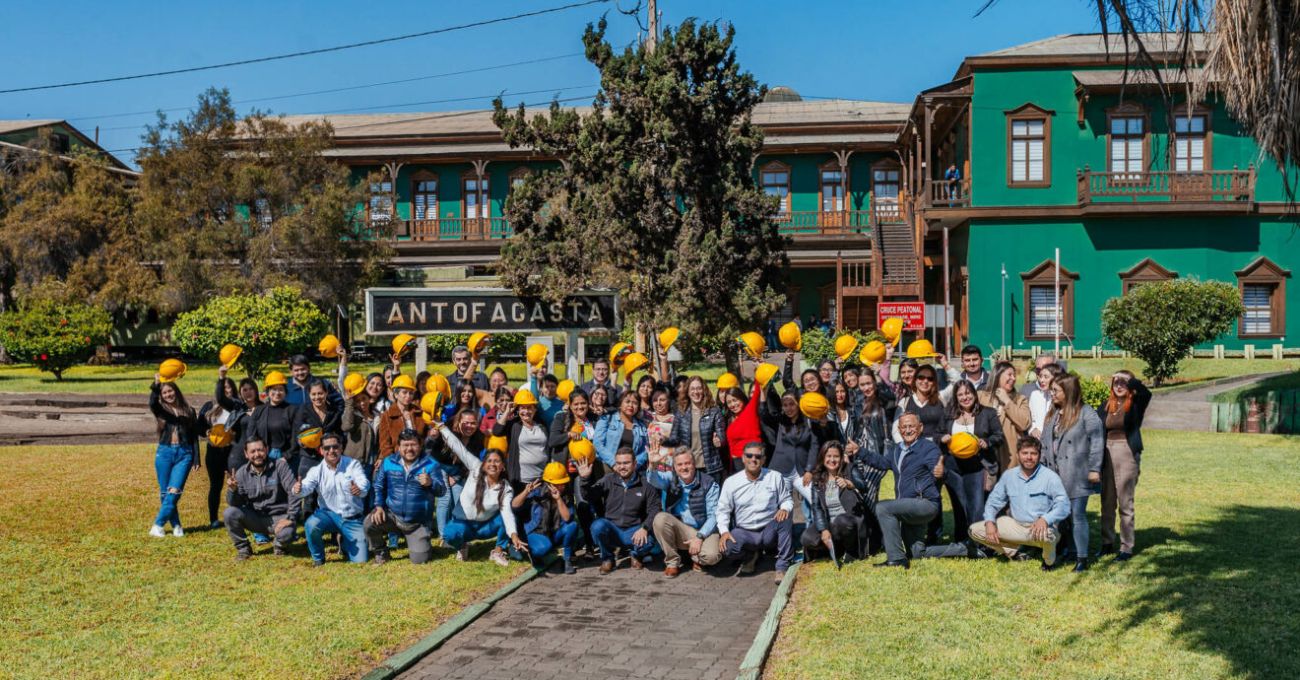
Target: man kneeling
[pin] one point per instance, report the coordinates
(1038, 501)
(762, 502)
(261, 499)
(405, 487)
(341, 485)
(688, 517)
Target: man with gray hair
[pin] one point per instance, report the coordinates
(466, 369)
(761, 501)
(688, 516)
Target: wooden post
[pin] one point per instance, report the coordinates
(839, 290)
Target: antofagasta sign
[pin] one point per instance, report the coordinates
(423, 311)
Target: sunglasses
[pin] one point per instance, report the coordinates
(924, 378)
(754, 456)
(331, 447)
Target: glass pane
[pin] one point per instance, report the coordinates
(1036, 171)
(1117, 126)
(1036, 128)
(1019, 150)
(1036, 150)
(1198, 124)
(1135, 126)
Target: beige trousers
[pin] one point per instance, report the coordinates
(1012, 535)
(1119, 478)
(674, 534)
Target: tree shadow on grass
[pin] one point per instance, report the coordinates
(1232, 583)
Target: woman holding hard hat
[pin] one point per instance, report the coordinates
(403, 414)
(240, 409)
(178, 433)
(526, 453)
(485, 504)
(358, 420)
(571, 436)
(789, 437)
(214, 422)
(548, 505)
(316, 415)
(972, 436)
(272, 422)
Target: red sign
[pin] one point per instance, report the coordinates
(912, 314)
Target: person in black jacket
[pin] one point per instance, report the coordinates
(915, 464)
(630, 508)
(790, 440)
(1122, 418)
(241, 410)
(839, 508)
(178, 434)
(967, 478)
(272, 422)
(575, 423)
(214, 424)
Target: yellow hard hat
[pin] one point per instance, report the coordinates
(754, 344)
(310, 437)
(618, 352)
(727, 381)
(477, 343)
(921, 349)
(536, 355)
(765, 373)
(634, 362)
(431, 404)
(328, 347)
(229, 354)
(892, 329)
(354, 383)
(814, 405)
(273, 379)
(555, 473)
(963, 445)
(404, 382)
(564, 389)
(497, 443)
(218, 435)
(844, 346)
(171, 369)
(872, 353)
(523, 397)
(790, 336)
(582, 450)
(668, 336)
(402, 342)
(438, 383)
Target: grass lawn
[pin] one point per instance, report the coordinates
(87, 594)
(1191, 370)
(1211, 593)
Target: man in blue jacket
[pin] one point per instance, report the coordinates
(405, 487)
(915, 464)
(300, 382)
(687, 519)
(1037, 500)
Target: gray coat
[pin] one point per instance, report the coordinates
(1076, 452)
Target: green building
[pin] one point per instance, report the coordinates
(1054, 144)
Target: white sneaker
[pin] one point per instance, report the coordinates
(156, 531)
(178, 532)
(499, 556)
(463, 553)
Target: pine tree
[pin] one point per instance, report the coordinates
(654, 196)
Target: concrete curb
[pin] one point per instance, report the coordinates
(1201, 384)
(752, 666)
(406, 658)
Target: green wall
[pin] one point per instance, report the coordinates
(1098, 250)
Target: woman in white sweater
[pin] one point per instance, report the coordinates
(485, 503)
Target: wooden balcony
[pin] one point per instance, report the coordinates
(940, 193)
(459, 229)
(1213, 186)
(813, 223)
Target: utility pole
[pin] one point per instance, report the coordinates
(653, 37)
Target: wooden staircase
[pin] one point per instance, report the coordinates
(899, 262)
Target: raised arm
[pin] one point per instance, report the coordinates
(469, 460)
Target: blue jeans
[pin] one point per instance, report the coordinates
(447, 506)
(172, 464)
(567, 536)
(609, 537)
(351, 531)
(1077, 524)
(459, 531)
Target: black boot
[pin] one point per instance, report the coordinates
(1081, 565)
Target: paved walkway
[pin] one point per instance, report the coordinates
(75, 419)
(628, 624)
(1189, 410)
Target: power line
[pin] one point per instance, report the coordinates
(334, 90)
(323, 50)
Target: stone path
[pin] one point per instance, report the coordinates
(628, 624)
(75, 419)
(1189, 410)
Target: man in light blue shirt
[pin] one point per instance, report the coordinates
(1037, 501)
(688, 518)
(761, 502)
(341, 486)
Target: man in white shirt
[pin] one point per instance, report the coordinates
(761, 502)
(341, 485)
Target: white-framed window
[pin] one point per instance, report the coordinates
(1127, 145)
(1028, 150)
(775, 181)
(424, 199)
(832, 182)
(1189, 143)
(381, 202)
(1258, 299)
(1045, 318)
(476, 198)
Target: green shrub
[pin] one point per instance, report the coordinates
(1161, 322)
(819, 346)
(440, 346)
(268, 327)
(54, 336)
(1095, 390)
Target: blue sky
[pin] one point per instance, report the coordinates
(875, 50)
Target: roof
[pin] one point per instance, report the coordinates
(1085, 48)
(8, 126)
(828, 111)
(1133, 77)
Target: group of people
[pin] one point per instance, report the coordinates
(664, 466)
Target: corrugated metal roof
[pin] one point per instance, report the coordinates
(420, 150)
(1093, 44)
(773, 141)
(1134, 76)
(827, 111)
(7, 126)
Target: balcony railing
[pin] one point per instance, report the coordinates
(460, 229)
(942, 193)
(818, 223)
(1228, 186)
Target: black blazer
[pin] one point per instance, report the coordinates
(987, 428)
(1136, 412)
